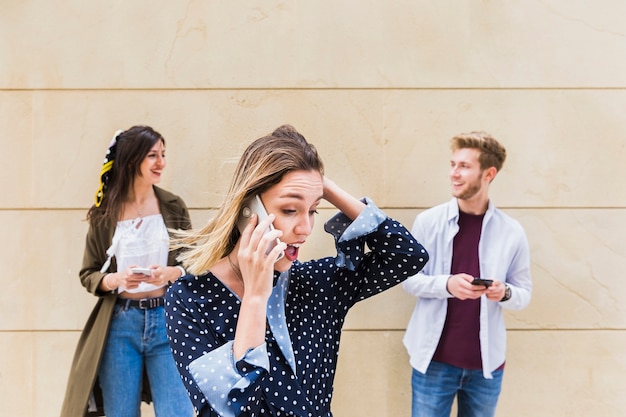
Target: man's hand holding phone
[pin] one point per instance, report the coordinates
(481, 281)
(461, 287)
(496, 290)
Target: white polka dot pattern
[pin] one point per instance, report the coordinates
(293, 372)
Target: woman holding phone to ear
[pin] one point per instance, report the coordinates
(123, 354)
(253, 335)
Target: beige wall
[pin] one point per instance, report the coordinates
(379, 87)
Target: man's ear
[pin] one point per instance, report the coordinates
(490, 173)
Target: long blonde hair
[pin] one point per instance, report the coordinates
(262, 165)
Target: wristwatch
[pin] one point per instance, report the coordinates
(507, 293)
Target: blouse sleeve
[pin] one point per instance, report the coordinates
(94, 257)
(206, 362)
(227, 384)
(394, 253)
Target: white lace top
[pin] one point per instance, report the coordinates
(141, 242)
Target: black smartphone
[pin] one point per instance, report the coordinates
(480, 281)
(255, 205)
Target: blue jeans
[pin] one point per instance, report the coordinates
(136, 338)
(434, 392)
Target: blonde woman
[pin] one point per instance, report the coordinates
(255, 331)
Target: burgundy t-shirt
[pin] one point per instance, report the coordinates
(459, 344)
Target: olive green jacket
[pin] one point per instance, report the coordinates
(82, 380)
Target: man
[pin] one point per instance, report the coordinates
(456, 337)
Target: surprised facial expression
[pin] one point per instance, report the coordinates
(294, 202)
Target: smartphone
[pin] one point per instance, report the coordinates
(480, 281)
(145, 271)
(255, 205)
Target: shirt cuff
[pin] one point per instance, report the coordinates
(349, 235)
(217, 374)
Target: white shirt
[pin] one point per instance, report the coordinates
(503, 253)
(142, 242)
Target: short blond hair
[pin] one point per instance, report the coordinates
(492, 153)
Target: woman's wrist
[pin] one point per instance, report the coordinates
(107, 284)
(181, 269)
(173, 278)
(342, 200)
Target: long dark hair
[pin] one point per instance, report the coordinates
(129, 150)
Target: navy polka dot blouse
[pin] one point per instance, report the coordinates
(292, 373)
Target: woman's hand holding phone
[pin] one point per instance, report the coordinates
(256, 264)
(155, 274)
(251, 206)
(144, 271)
(256, 271)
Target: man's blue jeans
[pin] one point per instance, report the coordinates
(434, 392)
(138, 337)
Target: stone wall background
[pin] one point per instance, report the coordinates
(379, 87)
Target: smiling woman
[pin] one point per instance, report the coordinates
(123, 354)
(255, 336)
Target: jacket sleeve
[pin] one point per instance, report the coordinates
(182, 218)
(175, 215)
(94, 256)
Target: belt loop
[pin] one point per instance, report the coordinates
(125, 304)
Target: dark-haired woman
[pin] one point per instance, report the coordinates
(123, 355)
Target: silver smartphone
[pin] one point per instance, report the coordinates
(145, 271)
(255, 205)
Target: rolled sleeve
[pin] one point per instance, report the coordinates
(349, 234)
(226, 382)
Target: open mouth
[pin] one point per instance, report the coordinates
(291, 252)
